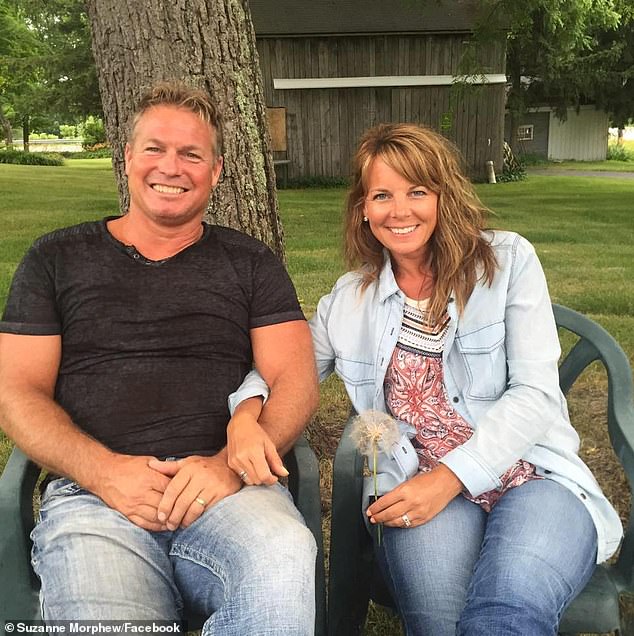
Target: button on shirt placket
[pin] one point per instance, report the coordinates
(387, 333)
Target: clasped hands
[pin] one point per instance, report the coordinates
(164, 495)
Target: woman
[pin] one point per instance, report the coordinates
(449, 328)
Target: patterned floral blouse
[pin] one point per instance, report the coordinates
(415, 393)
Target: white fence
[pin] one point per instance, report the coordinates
(50, 145)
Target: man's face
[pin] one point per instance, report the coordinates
(171, 165)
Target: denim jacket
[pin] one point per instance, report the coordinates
(500, 373)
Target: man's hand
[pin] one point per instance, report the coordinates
(131, 487)
(250, 451)
(196, 484)
(421, 498)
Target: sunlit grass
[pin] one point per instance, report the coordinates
(582, 229)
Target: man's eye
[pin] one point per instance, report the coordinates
(152, 149)
(192, 156)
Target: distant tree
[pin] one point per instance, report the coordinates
(18, 49)
(68, 73)
(210, 43)
(558, 50)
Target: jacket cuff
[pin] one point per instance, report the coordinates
(252, 386)
(476, 477)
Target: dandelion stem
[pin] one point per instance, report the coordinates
(375, 452)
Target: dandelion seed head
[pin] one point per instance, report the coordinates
(374, 430)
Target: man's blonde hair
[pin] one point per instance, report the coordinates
(458, 253)
(180, 95)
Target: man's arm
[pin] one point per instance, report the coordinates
(283, 355)
(30, 416)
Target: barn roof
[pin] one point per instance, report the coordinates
(356, 17)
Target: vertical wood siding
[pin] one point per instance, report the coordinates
(324, 125)
(583, 136)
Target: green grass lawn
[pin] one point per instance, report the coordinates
(582, 228)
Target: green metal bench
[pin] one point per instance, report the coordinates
(354, 577)
(19, 587)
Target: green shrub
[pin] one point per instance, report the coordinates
(43, 135)
(68, 131)
(99, 151)
(93, 131)
(513, 169)
(313, 182)
(618, 152)
(31, 158)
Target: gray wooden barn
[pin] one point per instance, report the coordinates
(333, 68)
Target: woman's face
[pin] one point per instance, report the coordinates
(401, 215)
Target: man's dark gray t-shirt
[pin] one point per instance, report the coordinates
(150, 350)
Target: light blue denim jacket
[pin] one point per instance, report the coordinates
(500, 373)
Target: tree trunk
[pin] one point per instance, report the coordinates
(620, 137)
(8, 133)
(515, 98)
(210, 43)
(26, 132)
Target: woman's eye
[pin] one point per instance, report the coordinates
(419, 193)
(380, 196)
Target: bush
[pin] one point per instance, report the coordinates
(618, 152)
(68, 131)
(42, 135)
(98, 151)
(513, 169)
(314, 182)
(93, 131)
(31, 158)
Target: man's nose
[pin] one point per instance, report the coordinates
(169, 163)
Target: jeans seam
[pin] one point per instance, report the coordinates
(200, 558)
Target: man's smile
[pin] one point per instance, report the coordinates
(167, 189)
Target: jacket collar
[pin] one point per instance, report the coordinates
(387, 282)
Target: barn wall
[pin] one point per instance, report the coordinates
(324, 125)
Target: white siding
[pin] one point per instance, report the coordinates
(583, 136)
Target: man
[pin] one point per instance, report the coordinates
(121, 341)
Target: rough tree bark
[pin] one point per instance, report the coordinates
(6, 129)
(211, 44)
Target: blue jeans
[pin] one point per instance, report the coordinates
(511, 571)
(247, 564)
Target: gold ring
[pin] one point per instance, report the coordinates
(244, 475)
(406, 520)
(201, 501)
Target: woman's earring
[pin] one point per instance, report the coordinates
(365, 219)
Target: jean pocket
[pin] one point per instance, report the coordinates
(61, 487)
(484, 355)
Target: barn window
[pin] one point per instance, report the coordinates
(525, 132)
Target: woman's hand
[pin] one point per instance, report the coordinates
(251, 453)
(421, 498)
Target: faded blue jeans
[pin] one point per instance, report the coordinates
(512, 571)
(248, 563)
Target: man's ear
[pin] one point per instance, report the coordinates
(127, 155)
(217, 171)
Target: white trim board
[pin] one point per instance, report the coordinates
(385, 80)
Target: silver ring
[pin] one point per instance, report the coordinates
(406, 520)
(201, 501)
(243, 476)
